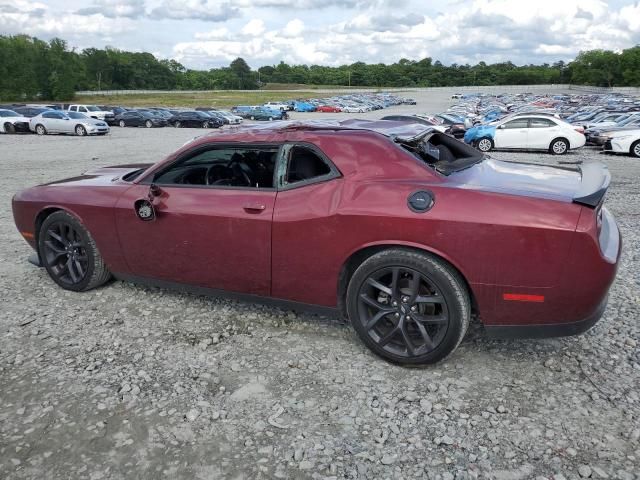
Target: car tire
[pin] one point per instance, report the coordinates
(634, 151)
(252, 117)
(40, 130)
(9, 127)
(69, 253)
(485, 144)
(558, 146)
(122, 124)
(80, 131)
(205, 124)
(148, 124)
(177, 124)
(395, 320)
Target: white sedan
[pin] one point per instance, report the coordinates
(624, 141)
(58, 121)
(12, 122)
(531, 132)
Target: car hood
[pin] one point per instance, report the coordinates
(585, 184)
(101, 176)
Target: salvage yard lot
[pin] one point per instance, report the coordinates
(132, 382)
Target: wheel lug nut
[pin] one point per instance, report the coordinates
(397, 315)
(394, 303)
(413, 308)
(407, 317)
(405, 299)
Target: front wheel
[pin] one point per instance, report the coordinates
(122, 123)
(205, 124)
(635, 149)
(9, 128)
(148, 124)
(559, 146)
(252, 118)
(40, 130)
(408, 307)
(177, 124)
(69, 253)
(81, 131)
(484, 145)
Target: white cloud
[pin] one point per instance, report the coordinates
(205, 33)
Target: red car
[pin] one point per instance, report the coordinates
(403, 230)
(328, 109)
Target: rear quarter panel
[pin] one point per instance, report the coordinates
(500, 243)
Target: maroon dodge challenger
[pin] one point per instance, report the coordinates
(400, 228)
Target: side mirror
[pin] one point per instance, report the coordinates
(144, 210)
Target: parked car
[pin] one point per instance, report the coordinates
(527, 133)
(193, 119)
(94, 112)
(328, 109)
(409, 101)
(233, 119)
(13, 122)
(624, 141)
(409, 289)
(59, 121)
(135, 118)
(264, 114)
(30, 112)
(277, 106)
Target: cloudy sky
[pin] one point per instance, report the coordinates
(208, 33)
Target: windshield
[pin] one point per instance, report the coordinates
(93, 108)
(76, 115)
(8, 113)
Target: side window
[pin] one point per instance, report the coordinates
(49, 115)
(540, 123)
(83, 109)
(518, 123)
(304, 165)
(224, 167)
(73, 109)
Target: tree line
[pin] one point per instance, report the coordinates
(31, 68)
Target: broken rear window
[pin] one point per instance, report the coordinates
(442, 152)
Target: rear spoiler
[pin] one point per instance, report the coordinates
(595, 182)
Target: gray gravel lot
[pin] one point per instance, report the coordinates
(128, 382)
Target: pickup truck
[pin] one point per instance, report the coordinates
(94, 112)
(278, 106)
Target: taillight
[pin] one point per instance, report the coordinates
(579, 130)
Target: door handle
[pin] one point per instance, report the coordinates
(255, 207)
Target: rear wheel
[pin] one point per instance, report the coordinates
(9, 127)
(69, 253)
(559, 146)
(635, 149)
(81, 131)
(148, 124)
(408, 307)
(122, 123)
(205, 124)
(484, 144)
(252, 117)
(177, 124)
(40, 130)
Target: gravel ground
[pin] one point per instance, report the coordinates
(131, 382)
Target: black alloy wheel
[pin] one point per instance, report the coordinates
(403, 311)
(69, 253)
(65, 253)
(408, 307)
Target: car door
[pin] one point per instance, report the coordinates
(54, 122)
(512, 134)
(136, 119)
(304, 224)
(214, 234)
(541, 132)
